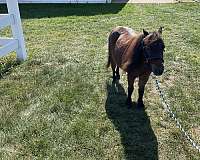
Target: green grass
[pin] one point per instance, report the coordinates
(61, 104)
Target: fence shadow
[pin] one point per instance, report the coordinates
(137, 136)
(62, 10)
(6, 69)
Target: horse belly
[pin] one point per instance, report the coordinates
(118, 56)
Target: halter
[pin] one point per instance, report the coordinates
(147, 57)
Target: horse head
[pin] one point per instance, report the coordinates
(153, 49)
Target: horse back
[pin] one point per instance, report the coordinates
(123, 49)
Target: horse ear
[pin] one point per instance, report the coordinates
(160, 30)
(145, 33)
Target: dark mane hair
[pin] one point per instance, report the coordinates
(137, 56)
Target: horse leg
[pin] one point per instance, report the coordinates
(131, 79)
(142, 82)
(117, 73)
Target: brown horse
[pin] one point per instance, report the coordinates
(138, 54)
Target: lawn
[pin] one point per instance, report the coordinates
(61, 103)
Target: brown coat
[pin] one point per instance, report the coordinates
(122, 49)
(138, 54)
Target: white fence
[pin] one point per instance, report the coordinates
(16, 43)
(61, 1)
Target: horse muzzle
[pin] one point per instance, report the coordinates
(157, 70)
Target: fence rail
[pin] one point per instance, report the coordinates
(16, 43)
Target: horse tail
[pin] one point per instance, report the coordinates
(113, 37)
(108, 63)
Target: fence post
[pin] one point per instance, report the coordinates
(16, 27)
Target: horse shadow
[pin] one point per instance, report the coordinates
(137, 137)
(6, 68)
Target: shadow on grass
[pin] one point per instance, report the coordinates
(137, 136)
(62, 10)
(6, 69)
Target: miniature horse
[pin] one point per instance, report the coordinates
(138, 54)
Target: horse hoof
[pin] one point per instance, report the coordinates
(140, 105)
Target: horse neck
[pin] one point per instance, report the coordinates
(138, 57)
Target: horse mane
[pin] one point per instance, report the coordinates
(137, 57)
(136, 50)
